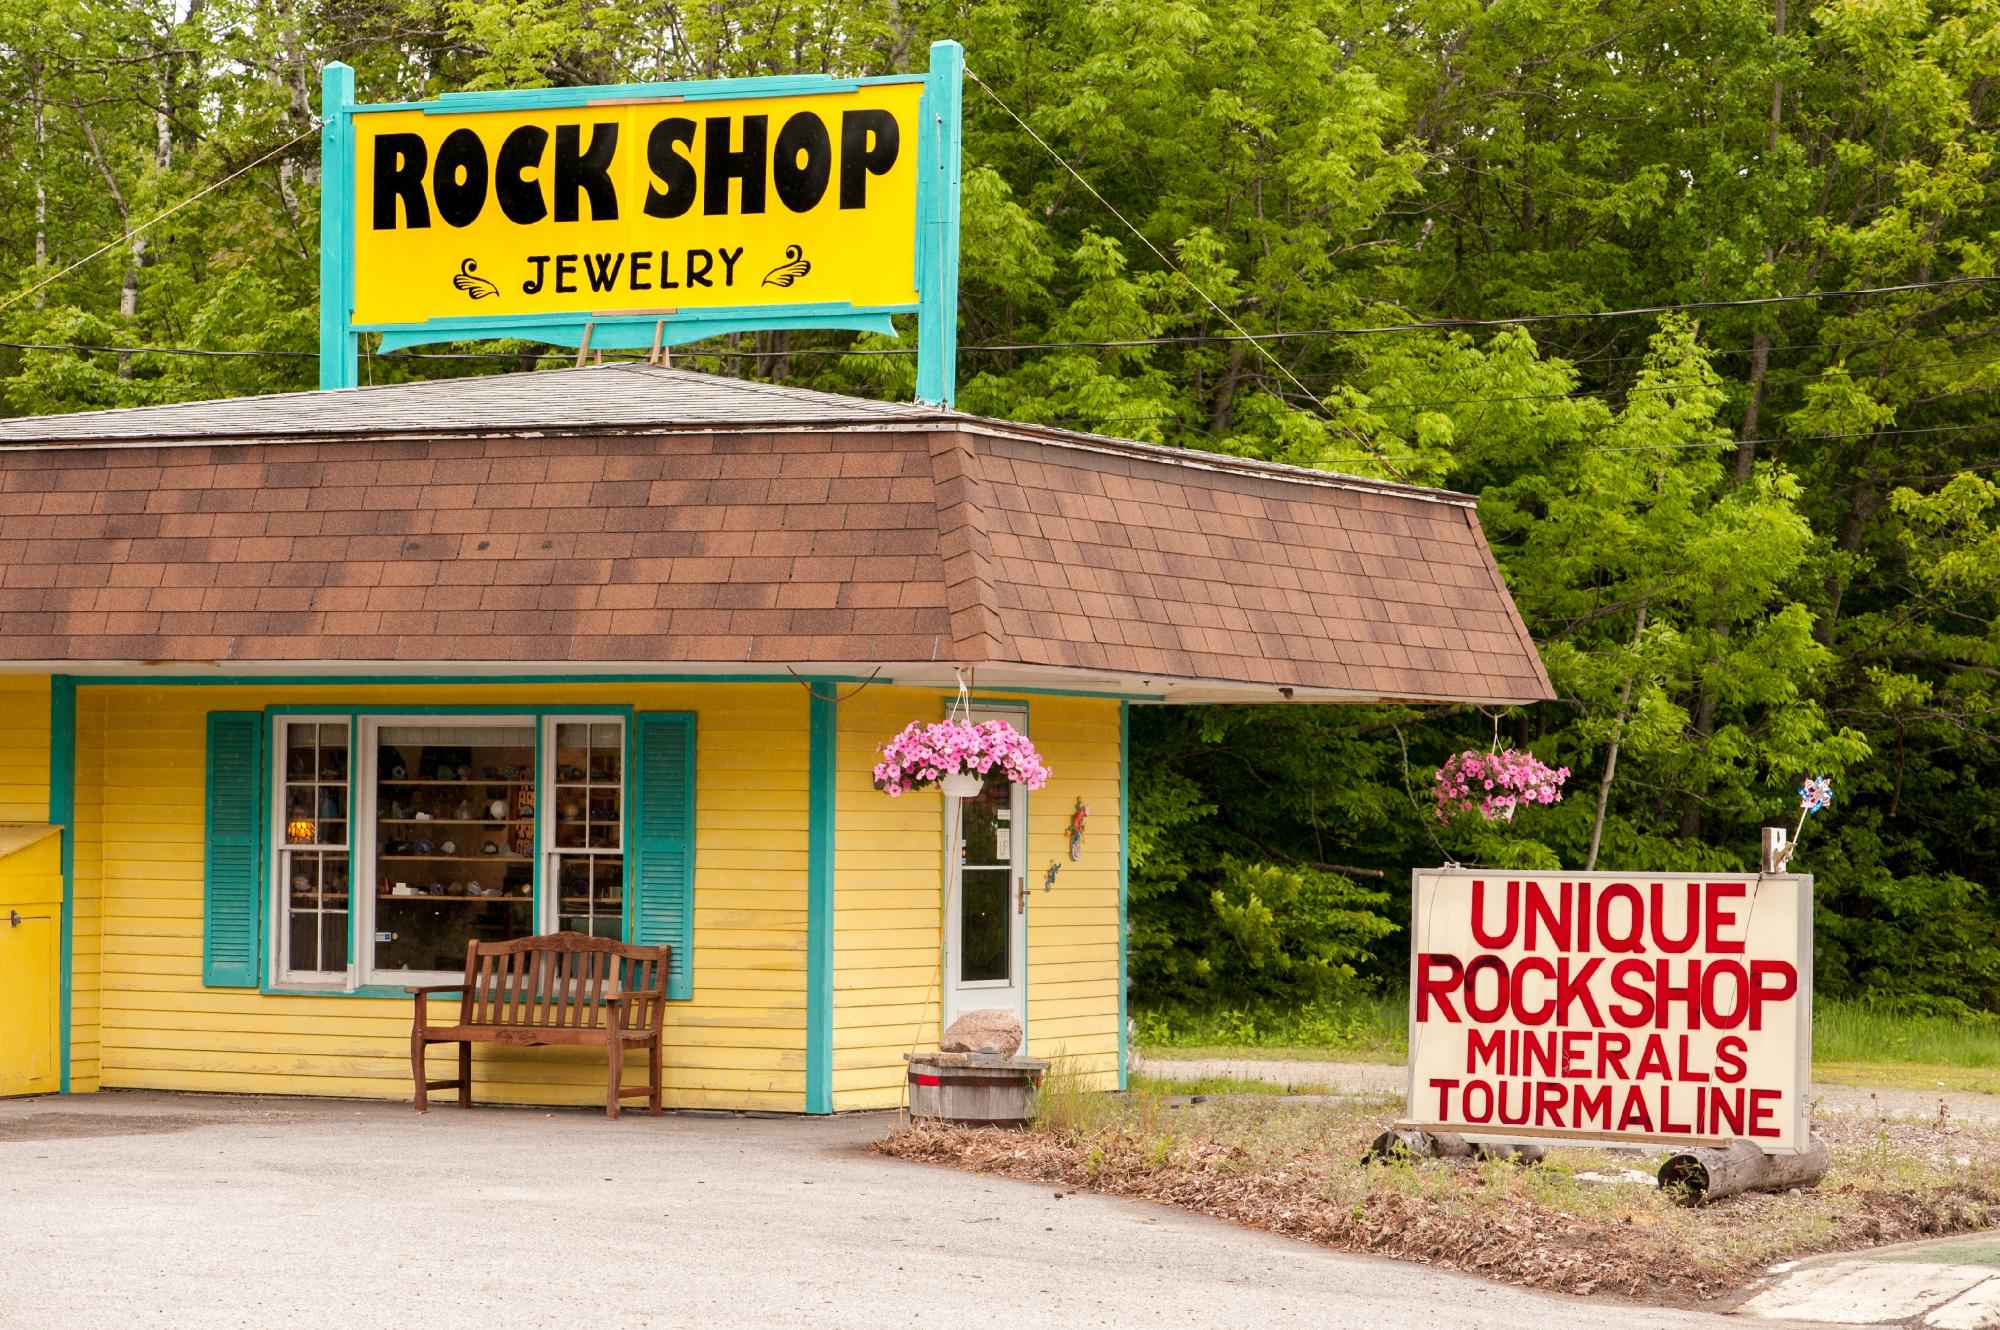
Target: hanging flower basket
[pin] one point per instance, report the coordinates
(957, 755)
(1496, 784)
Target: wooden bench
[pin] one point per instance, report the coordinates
(559, 988)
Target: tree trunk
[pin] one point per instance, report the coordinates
(41, 186)
(1760, 346)
(1746, 437)
(1859, 510)
(1222, 405)
(1611, 756)
(1707, 1174)
(1415, 1143)
(128, 289)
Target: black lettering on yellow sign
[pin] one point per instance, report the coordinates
(630, 270)
(530, 183)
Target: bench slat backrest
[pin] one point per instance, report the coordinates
(560, 981)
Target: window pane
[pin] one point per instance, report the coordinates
(980, 821)
(313, 885)
(984, 927)
(453, 840)
(304, 937)
(316, 898)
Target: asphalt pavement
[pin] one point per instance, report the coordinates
(198, 1213)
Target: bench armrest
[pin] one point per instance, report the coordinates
(639, 995)
(435, 988)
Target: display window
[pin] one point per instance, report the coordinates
(455, 828)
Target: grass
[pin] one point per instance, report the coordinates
(1292, 1168)
(1142, 1083)
(1854, 1043)
(1367, 1028)
(1846, 1032)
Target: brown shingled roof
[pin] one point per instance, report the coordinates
(646, 517)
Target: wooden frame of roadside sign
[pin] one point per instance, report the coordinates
(644, 215)
(1611, 1008)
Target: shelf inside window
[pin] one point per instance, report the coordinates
(454, 900)
(456, 858)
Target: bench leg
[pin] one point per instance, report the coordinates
(653, 1060)
(617, 1049)
(417, 1046)
(464, 1074)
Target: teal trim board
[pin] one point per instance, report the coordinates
(339, 346)
(937, 217)
(1124, 884)
(635, 332)
(822, 772)
(427, 680)
(62, 813)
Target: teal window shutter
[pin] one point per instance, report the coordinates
(661, 881)
(230, 939)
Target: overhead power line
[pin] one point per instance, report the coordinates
(1176, 269)
(155, 219)
(1750, 443)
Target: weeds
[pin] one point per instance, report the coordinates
(1291, 1168)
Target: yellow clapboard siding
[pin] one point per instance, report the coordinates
(691, 1045)
(141, 765)
(774, 1094)
(24, 748)
(888, 897)
(1073, 930)
(139, 1055)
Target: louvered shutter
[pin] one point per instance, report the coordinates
(662, 883)
(231, 934)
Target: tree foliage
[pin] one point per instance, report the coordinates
(1754, 540)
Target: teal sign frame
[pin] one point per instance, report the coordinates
(938, 196)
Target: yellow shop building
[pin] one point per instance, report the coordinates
(299, 694)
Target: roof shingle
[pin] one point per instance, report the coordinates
(649, 515)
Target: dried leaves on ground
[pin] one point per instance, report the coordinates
(1294, 1169)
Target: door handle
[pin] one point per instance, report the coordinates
(15, 918)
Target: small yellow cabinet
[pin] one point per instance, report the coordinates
(30, 965)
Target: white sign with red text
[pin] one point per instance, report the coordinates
(1615, 1007)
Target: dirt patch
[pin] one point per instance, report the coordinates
(89, 1120)
(1293, 1170)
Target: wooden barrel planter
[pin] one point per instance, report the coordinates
(977, 1089)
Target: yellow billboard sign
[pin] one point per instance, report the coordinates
(644, 215)
(637, 207)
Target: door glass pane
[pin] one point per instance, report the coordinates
(455, 841)
(313, 867)
(984, 927)
(588, 813)
(985, 922)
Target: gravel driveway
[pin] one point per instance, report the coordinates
(141, 1210)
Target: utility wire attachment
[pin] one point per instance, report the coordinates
(156, 219)
(1193, 285)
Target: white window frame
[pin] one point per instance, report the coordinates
(306, 981)
(363, 788)
(369, 726)
(548, 912)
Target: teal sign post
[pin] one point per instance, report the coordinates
(644, 215)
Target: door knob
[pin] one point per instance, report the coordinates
(15, 918)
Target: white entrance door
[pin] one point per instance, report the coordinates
(986, 922)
